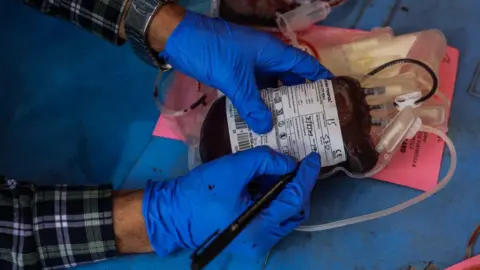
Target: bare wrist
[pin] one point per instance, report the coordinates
(129, 224)
(163, 24)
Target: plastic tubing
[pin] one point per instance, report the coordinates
(353, 175)
(401, 206)
(411, 61)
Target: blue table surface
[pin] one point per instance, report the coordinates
(75, 109)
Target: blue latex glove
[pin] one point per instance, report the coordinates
(227, 56)
(184, 212)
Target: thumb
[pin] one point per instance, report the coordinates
(247, 100)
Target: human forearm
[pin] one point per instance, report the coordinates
(54, 227)
(102, 18)
(107, 18)
(64, 226)
(163, 24)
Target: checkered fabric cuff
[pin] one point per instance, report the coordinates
(54, 227)
(101, 17)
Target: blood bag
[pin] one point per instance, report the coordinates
(260, 8)
(258, 13)
(261, 13)
(334, 118)
(330, 117)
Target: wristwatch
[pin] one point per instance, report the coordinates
(137, 23)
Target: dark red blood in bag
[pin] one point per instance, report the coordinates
(354, 116)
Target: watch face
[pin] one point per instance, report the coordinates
(254, 12)
(146, 7)
(142, 7)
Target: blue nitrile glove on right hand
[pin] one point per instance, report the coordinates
(184, 212)
(227, 56)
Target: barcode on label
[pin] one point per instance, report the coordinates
(239, 123)
(305, 120)
(244, 141)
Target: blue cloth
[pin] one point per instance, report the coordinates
(228, 56)
(184, 212)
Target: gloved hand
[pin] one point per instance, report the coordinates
(184, 212)
(227, 56)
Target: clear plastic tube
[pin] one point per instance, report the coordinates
(303, 16)
(401, 206)
(371, 173)
(444, 99)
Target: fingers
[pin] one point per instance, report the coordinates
(282, 58)
(296, 195)
(234, 172)
(248, 102)
(305, 65)
(290, 79)
(265, 161)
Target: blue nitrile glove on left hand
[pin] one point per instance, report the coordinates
(184, 212)
(227, 56)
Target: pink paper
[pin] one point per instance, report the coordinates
(417, 165)
(186, 91)
(467, 264)
(167, 129)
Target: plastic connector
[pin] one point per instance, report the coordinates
(408, 100)
(432, 115)
(414, 129)
(302, 17)
(397, 131)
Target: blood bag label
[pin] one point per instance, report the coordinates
(306, 120)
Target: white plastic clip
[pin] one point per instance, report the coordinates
(408, 100)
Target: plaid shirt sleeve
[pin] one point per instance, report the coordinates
(101, 17)
(54, 227)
